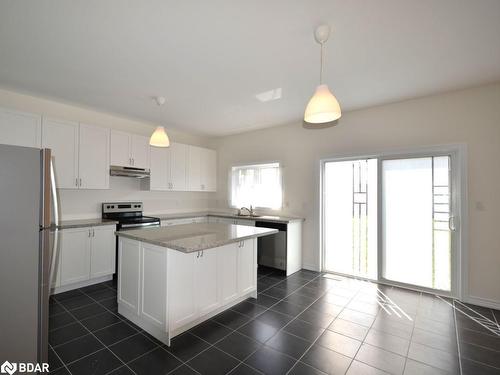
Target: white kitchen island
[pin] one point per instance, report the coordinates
(173, 278)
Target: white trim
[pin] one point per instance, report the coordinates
(484, 302)
(256, 164)
(459, 151)
(311, 267)
(81, 284)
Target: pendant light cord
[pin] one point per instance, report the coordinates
(321, 65)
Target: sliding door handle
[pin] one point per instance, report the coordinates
(451, 224)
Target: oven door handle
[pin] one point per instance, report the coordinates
(125, 226)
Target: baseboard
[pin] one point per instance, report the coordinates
(81, 284)
(483, 302)
(310, 267)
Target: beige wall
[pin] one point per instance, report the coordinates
(86, 203)
(470, 116)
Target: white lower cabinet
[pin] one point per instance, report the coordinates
(153, 284)
(75, 255)
(247, 266)
(181, 288)
(84, 254)
(129, 265)
(103, 254)
(166, 291)
(228, 273)
(206, 281)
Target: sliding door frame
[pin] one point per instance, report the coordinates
(458, 153)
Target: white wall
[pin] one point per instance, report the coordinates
(86, 203)
(470, 116)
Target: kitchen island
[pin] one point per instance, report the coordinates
(173, 278)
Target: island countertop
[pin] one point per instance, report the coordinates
(189, 238)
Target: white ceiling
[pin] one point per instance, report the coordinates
(210, 58)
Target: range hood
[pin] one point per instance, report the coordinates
(116, 170)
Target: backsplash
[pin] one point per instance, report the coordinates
(83, 204)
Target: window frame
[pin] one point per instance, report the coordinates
(247, 165)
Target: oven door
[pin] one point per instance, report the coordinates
(125, 226)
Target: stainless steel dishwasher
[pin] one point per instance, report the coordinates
(271, 250)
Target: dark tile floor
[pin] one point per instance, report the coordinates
(308, 323)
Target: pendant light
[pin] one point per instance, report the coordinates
(323, 107)
(159, 138)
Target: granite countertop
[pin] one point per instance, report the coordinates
(189, 238)
(66, 224)
(230, 215)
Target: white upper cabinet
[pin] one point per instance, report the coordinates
(139, 151)
(194, 168)
(178, 166)
(208, 170)
(62, 138)
(168, 167)
(129, 150)
(94, 157)
(160, 168)
(202, 169)
(20, 128)
(120, 149)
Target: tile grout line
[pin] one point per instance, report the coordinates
(253, 319)
(105, 346)
(316, 340)
(411, 335)
(60, 359)
(362, 342)
(458, 339)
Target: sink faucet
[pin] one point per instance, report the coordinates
(250, 210)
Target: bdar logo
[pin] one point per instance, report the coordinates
(8, 368)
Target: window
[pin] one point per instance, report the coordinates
(257, 185)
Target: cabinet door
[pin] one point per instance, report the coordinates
(178, 166)
(129, 264)
(153, 284)
(182, 286)
(206, 282)
(120, 149)
(160, 168)
(62, 138)
(247, 268)
(208, 169)
(94, 157)
(75, 255)
(194, 168)
(228, 272)
(20, 128)
(103, 250)
(140, 151)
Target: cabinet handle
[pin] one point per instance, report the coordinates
(198, 254)
(89, 232)
(80, 182)
(93, 232)
(76, 181)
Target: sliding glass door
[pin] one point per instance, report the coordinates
(416, 221)
(390, 218)
(350, 217)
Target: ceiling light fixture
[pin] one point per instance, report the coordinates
(323, 107)
(159, 138)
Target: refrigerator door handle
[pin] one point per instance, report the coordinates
(55, 207)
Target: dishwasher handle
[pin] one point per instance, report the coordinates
(271, 224)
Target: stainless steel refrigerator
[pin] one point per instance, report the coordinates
(28, 239)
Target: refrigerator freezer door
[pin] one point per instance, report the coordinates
(20, 205)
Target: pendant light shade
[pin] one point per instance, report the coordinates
(159, 138)
(322, 107)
